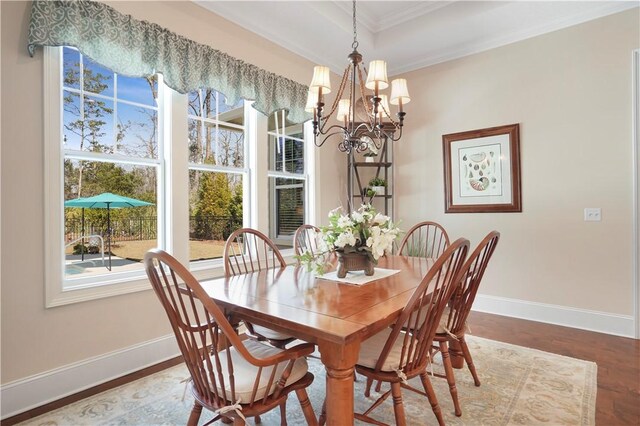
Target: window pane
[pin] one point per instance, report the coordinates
(129, 231)
(194, 104)
(138, 89)
(286, 155)
(97, 127)
(73, 125)
(287, 205)
(137, 131)
(286, 129)
(215, 211)
(97, 79)
(230, 147)
(71, 68)
(195, 149)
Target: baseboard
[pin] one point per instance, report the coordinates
(602, 322)
(34, 391)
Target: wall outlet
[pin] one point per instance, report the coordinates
(592, 214)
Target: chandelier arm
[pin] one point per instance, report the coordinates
(338, 132)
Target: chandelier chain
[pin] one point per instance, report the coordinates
(354, 45)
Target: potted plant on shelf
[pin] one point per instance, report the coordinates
(358, 239)
(377, 185)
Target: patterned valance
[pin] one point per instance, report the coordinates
(140, 48)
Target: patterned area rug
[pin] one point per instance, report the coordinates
(520, 386)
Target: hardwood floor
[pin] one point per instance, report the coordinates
(618, 359)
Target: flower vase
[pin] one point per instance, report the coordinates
(354, 262)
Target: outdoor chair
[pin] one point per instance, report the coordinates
(453, 323)
(248, 250)
(406, 346)
(424, 239)
(233, 378)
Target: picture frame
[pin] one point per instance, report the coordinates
(482, 170)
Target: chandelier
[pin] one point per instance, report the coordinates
(360, 114)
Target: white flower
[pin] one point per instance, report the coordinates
(357, 217)
(345, 222)
(380, 219)
(345, 238)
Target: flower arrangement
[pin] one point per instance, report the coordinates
(363, 231)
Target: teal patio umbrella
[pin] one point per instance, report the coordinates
(108, 201)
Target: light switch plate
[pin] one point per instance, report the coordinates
(592, 214)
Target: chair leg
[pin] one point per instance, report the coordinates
(469, 360)
(323, 415)
(257, 419)
(367, 388)
(398, 407)
(196, 411)
(451, 379)
(433, 400)
(379, 386)
(283, 413)
(307, 409)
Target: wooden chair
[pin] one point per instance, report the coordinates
(248, 250)
(424, 239)
(453, 323)
(228, 376)
(305, 239)
(406, 346)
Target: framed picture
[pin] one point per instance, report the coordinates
(482, 170)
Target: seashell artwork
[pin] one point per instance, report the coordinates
(479, 157)
(480, 184)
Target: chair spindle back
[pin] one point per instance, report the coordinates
(471, 276)
(248, 250)
(423, 311)
(204, 335)
(305, 239)
(424, 239)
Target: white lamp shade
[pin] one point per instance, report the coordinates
(312, 101)
(344, 109)
(399, 92)
(377, 74)
(321, 79)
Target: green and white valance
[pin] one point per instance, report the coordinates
(140, 48)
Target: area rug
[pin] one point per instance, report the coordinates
(520, 386)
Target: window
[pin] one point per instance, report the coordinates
(217, 153)
(110, 146)
(287, 179)
(196, 163)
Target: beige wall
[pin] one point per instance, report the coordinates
(570, 91)
(35, 339)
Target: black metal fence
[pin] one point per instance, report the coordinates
(146, 228)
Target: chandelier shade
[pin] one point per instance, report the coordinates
(399, 92)
(352, 102)
(377, 77)
(321, 80)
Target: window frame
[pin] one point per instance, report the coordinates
(173, 189)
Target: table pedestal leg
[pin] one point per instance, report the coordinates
(339, 361)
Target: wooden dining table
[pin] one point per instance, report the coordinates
(335, 316)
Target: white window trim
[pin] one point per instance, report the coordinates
(56, 293)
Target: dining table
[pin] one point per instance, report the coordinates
(336, 316)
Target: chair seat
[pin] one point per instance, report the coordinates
(245, 373)
(269, 333)
(370, 351)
